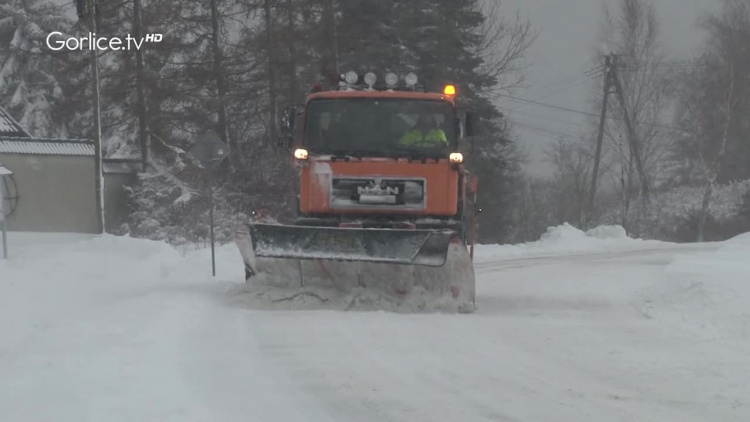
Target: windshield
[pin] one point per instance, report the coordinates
(375, 126)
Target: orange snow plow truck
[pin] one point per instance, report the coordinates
(386, 209)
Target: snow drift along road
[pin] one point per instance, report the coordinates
(575, 327)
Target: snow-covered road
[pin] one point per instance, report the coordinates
(117, 329)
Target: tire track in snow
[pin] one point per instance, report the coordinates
(334, 366)
(664, 255)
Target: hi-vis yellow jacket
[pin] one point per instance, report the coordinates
(435, 137)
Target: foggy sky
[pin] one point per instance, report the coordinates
(568, 37)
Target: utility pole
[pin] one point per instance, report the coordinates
(600, 137)
(143, 132)
(88, 10)
(220, 74)
(632, 134)
(612, 81)
(271, 52)
(3, 173)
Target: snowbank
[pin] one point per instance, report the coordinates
(25, 239)
(707, 293)
(730, 260)
(49, 278)
(565, 240)
(122, 329)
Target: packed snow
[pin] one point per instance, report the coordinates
(579, 326)
(568, 240)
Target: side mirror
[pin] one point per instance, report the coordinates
(470, 124)
(286, 125)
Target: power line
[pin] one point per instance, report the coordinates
(526, 100)
(584, 113)
(579, 125)
(546, 132)
(568, 83)
(567, 87)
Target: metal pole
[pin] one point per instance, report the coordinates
(2, 216)
(474, 185)
(632, 134)
(599, 140)
(211, 217)
(98, 182)
(144, 134)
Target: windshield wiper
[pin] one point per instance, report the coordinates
(420, 154)
(362, 153)
(349, 154)
(394, 152)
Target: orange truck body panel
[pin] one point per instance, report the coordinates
(441, 180)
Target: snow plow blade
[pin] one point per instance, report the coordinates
(417, 247)
(354, 268)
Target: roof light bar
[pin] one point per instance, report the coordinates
(391, 79)
(351, 77)
(411, 79)
(370, 79)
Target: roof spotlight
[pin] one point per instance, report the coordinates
(370, 79)
(411, 79)
(391, 79)
(351, 77)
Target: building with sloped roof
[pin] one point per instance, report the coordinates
(9, 126)
(52, 188)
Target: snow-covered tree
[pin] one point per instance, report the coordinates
(745, 207)
(30, 87)
(713, 103)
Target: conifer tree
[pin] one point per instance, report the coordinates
(30, 86)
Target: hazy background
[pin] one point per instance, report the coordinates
(568, 33)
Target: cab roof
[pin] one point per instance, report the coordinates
(406, 95)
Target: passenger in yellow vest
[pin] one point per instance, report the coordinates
(425, 134)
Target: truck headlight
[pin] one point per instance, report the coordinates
(300, 154)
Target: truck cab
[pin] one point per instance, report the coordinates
(384, 155)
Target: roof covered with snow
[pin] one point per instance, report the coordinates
(24, 145)
(10, 127)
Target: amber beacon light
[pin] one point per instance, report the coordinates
(449, 90)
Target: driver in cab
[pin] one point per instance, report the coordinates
(425, 133)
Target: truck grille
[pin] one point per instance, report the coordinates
(373, 193)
